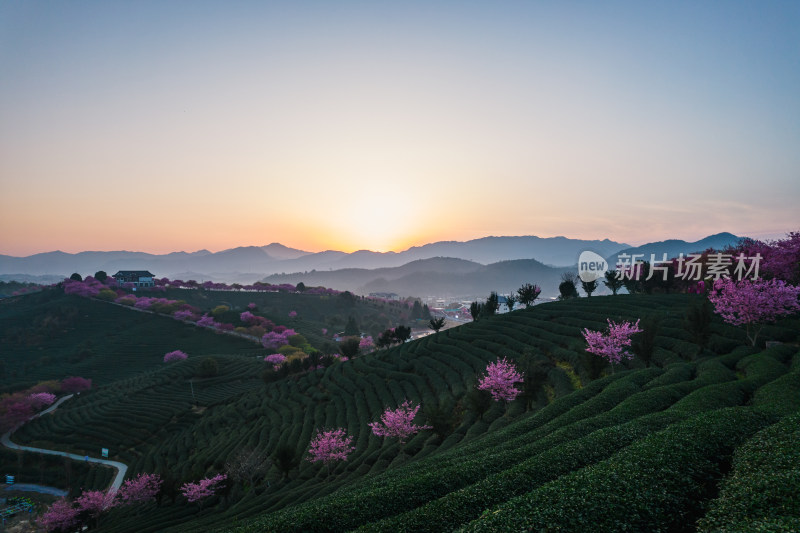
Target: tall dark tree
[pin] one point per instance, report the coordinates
(443, 417)
(351, 328)
(349, 347)
(416, 310)
(300, 287)
(100, 276)
(644, 343)
(475, 309)
(478, 401)
(698, 322)
(436, 323)
(286, 460)
(567, 290)
(528, 294)
(510, 301)
(426, 312)
(589, 287)
(492, 304)
(534, 379)
(402, 333)
(385, 339)
(612, 282)
(76, 277)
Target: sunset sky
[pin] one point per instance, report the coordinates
(162, 126)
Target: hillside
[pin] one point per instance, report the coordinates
(648, 447)
(442, 277)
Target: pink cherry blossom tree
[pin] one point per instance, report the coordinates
(275, 358)
(366, 344)
(205, 488)
(176, 355)
(184, 314)
(94, 502)
(142, 488)
(398, 422)
(611, 345)
(41, 399)
(330, 446)
(292, 314)
(60, 516)
(753, 303)
(500, 379)
(75, 384)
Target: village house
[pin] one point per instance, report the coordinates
(139, 278)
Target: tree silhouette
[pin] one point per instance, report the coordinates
(644, 343)
(491, 305)
(436, 324)
(528, 294)
(402, 334)
(612, 282)
(475, 309)
(286, 460)
(589, 287)
(350, 346)
(510, 301)
(351, 329)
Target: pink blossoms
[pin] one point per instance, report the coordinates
(500, 379)
(753, 303)
(329, 446)
(611, 345)
(398, 423)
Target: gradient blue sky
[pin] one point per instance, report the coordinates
(161, 126)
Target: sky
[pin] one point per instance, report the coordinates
(162, 126)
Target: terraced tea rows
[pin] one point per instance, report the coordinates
(505, 461)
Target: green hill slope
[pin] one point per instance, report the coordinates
(643, 446)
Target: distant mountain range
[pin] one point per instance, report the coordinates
(673, 247)
(255, 262)
(440, 277)
(447, 268)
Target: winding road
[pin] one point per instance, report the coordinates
(121, 468)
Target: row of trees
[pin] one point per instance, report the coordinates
(525, 295)
(85, 511)
(18, 407)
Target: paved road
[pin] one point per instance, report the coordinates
(121, 468)
(31, 487)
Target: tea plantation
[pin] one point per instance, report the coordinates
(680, 445)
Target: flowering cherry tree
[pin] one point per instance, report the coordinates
(94, 502)
(753, 303)
(60, 516)
(292, 314)
(75, 384)
(142, 488)
(277, 337)
(611, 345)
(275, 358)
(398, 423)
(500, 379)
(176, 355)
(41, 399)
(366, 344)
(207, 322)
(329, 446)
(183, 314)
(203, 489)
